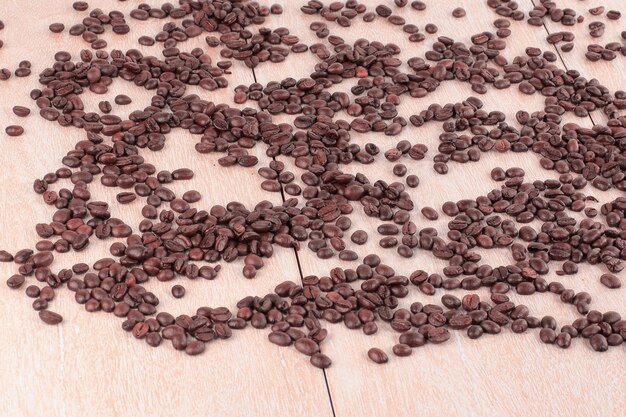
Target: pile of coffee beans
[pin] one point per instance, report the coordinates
(536, 221)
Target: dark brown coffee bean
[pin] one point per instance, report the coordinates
(21, 111)
(458, 12)
(613, 15)
(5, 256)
(359, 237)
(610, 281)
(431, 28)
(376, 355)
(195, 347)
(14, 130)
(50, 317)
(412, 181)
(547, 335)
(564, 340)
(307, 346)
(280, 338)
(80, 6)
(122, 100)
(178, 291)
(15, 281)
(430, 213)
(402, 350)
(57, 27)
(599, 343)
(474, 331)
(319, 360)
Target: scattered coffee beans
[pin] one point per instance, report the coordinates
(534, 220)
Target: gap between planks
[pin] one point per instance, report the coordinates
(295, 252)
(558, 53)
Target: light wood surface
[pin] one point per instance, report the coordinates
(89, 366)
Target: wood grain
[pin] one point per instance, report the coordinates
(89, 366)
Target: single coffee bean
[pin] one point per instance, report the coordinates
(21, 111)
(50, 317)
(80, 6)
(412, 181)
(599, 343)
(610, 281)
(122, 100)
(178, 291)
(458, 12)
(547, 335)
(359, 237)
(5, 256)
(376, 355)
(195, 347)
(430, 213)
(14, 130)
(57, 27)
(402, 350)
(319, 360)
(15, 281)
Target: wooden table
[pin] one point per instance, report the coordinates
(89, 367)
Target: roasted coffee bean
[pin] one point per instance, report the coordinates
(57, 27)
(430, 213)
(307, 346)
(610, 281)
(599, 343)
(14, 130)
(412, 181)
(195, 347)
(50, 317)
(458, 12)
(178, 291)
(359, 237)
(15, 281)
(376, 355)
(319, 360)
(21, 111)
(80, 6)
(547, 335)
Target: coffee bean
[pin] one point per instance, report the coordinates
(430, 213)
(610, 281)
(613, 15)
(195, 347)
(431, 28)
(319, 360)
(412, 181)
(21, 111)
(306, 346)
(14, 130)
(474, 332)
(359, 237)
(458, 12)
(547, 335)
(57, 27)
(402, 350)
(80, 6)
(15, 281)
(599, 343)
(178, 291)
(5, 256)
(376, 355)
(122, 100)
(50, 317)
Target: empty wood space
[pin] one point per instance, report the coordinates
(89, 366)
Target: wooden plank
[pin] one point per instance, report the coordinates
(88, 365)
(461, 377)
